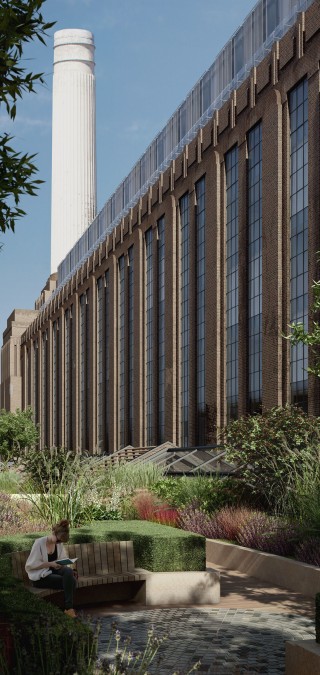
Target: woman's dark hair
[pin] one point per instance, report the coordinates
(62, 527)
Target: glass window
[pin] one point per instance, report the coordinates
(254, 257)
(298, 110)
(200, 309)
(185, 319)
(231, 168)
(161, 330)
(131, 342)
(121, 350)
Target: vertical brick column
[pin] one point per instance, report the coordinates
(61, 431)
(272, 253)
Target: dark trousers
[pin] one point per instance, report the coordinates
(63, 579)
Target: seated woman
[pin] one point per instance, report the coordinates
(45, 572)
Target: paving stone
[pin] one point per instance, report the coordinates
(229, 642)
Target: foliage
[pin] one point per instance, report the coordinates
(302, 501)
(129, 477)
(229, 521)
(48, 466)
(192, 519)
(270, 449)
(66, 483)
(308, 551)
(17, 431)
(45, 641)
(9, 515)
(211, 492)
(311, 337)
(157, 548)
(120, 660)
(11, 481)
(150, 507)
(269, 534)
(20, 22)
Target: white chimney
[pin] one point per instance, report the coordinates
(73, 197)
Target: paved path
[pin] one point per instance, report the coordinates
(245, 634)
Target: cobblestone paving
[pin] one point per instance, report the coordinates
(226, 641)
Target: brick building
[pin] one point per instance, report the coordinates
(169, 313)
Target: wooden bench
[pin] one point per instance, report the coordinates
(107, 572)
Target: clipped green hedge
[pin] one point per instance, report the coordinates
(158, 548)
(44, 640)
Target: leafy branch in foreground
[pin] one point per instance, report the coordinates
(20, 22)
(311, 337)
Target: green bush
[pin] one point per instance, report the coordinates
(67, 485)
(48, 466)
(45, 641)
(17, 432)
(270, 450)
(208, 492)
(158, 548)
(11, 481)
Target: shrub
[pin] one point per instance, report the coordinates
(44, 639)
(17, 432)
(126, 477)
(269, 534)
(270, 449)
(308, 551)
(193, 519)
(211, 492)
(145, 504)
(157, 548)
(166, 515)
(9, 516)
(48, 466)
(229, 521)
(11, 481)
(67, 484)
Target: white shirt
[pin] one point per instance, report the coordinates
(38, 555)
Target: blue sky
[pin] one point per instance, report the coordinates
(149, 54)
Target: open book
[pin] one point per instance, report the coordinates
(66, 561)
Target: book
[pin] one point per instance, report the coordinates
(66, 561)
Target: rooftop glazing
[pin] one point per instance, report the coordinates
(267, 22)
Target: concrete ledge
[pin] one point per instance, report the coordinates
(192, 588)
(274, 569)
(302, 658)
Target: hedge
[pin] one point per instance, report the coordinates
(158, 548)
(43, 640)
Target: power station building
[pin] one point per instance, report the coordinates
(166, 318)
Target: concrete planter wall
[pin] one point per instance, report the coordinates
(274, 569)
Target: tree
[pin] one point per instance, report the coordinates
(310, 337)
(17, 431)
(20, 22)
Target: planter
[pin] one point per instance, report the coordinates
(274, 569)
(302, 658)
